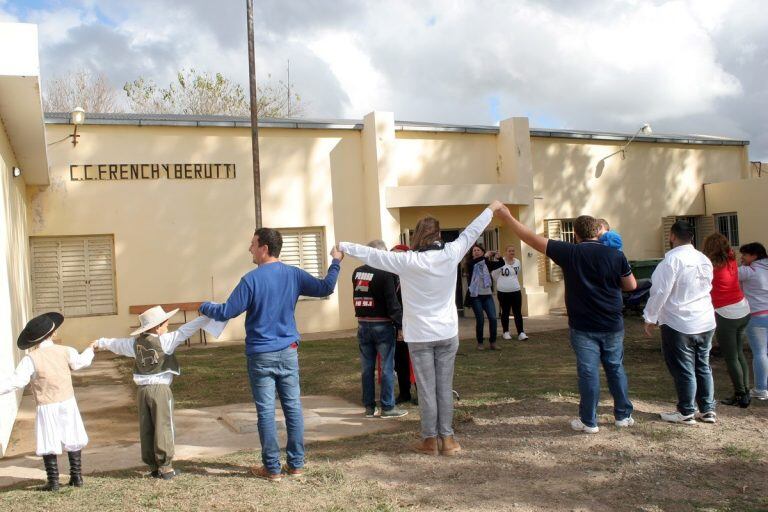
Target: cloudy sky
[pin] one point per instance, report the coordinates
(685, 66)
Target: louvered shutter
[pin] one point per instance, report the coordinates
(554, 232)
(73, 275)
(304, 248)
(666, 226)
(705, 226)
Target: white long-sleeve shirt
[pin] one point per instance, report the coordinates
(679, 296)
(25, 371)
(427, 282)
(170, 341)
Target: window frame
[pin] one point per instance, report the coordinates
(732, 223)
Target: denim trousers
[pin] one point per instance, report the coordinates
(278, 371)
(757, 333)
(433, 363)
(687, 358)
(377, 338)
(592, 349)
(480, 304)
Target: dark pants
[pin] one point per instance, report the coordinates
(480, 304)
(592, 349)
(730, 335)
(377, 338)
(513, 301)
(403, 370)
(687, 357)
(155, 404)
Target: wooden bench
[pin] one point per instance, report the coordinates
(183, 308)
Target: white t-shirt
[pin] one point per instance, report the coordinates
(427, 281)
(506, 277)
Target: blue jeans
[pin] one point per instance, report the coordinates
(757, 332)
(377, 337)
(687, 358)
(279, 371)
(593, 348)
(480, 304)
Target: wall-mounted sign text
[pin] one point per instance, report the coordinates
(126, 172)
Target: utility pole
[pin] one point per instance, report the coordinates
(289, 87)
(254, 116)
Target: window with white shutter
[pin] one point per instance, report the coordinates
(73, 275)
(558, 229)
(304, 248)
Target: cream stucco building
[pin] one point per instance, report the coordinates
(154, 209)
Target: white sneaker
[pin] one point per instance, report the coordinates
(580, 427)
(676, 417)
(506, 336)
(522, 336)
(707, 417)
(760, 394)
(626, 422)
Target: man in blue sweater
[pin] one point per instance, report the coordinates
(268, 297)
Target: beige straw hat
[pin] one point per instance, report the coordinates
(152, 318)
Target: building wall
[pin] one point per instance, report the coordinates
(14, 278)
(746, 198)
(654, 180)
(187, 240)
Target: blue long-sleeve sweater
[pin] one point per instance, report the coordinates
(268, 295)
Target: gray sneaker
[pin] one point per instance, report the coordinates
(393, 413)
(370, 412)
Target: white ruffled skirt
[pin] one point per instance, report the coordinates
(58, 426)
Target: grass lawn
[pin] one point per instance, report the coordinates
(512, 420)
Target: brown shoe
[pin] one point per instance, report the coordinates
(294, 472)
(449, 447)
(427, 446)
(262, 472)
(494, 347)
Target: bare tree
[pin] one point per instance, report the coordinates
(203, 93)
(91, 91)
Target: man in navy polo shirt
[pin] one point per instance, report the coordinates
(595, 276)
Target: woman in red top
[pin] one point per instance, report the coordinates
(731, 315)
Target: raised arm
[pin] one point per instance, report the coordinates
(119, 346)
(78, 361)
(310, 286)
(394, 262)
(20, 377)
(459, 247)
(522, 231)
(171, 340)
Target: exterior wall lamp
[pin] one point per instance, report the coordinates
(645, 130)
(77, 118)
(16, 172)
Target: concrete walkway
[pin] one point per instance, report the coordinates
(109, 413)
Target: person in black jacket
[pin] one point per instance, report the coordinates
(402, 357)
(379, 315)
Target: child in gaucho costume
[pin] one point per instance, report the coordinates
(58, 423)
(152, 348)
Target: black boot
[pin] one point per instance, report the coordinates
(52, 470)
(745, 400)
(734, 400)
(75, 469)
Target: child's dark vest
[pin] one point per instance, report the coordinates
(150, 357)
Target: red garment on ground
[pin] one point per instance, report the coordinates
(725, 285)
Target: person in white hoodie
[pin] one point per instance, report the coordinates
(430, 321)
(753, 275)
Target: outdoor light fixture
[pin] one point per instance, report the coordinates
(645, 130)
(78, 118)
(16, 172)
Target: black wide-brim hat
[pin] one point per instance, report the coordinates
(38, 329)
